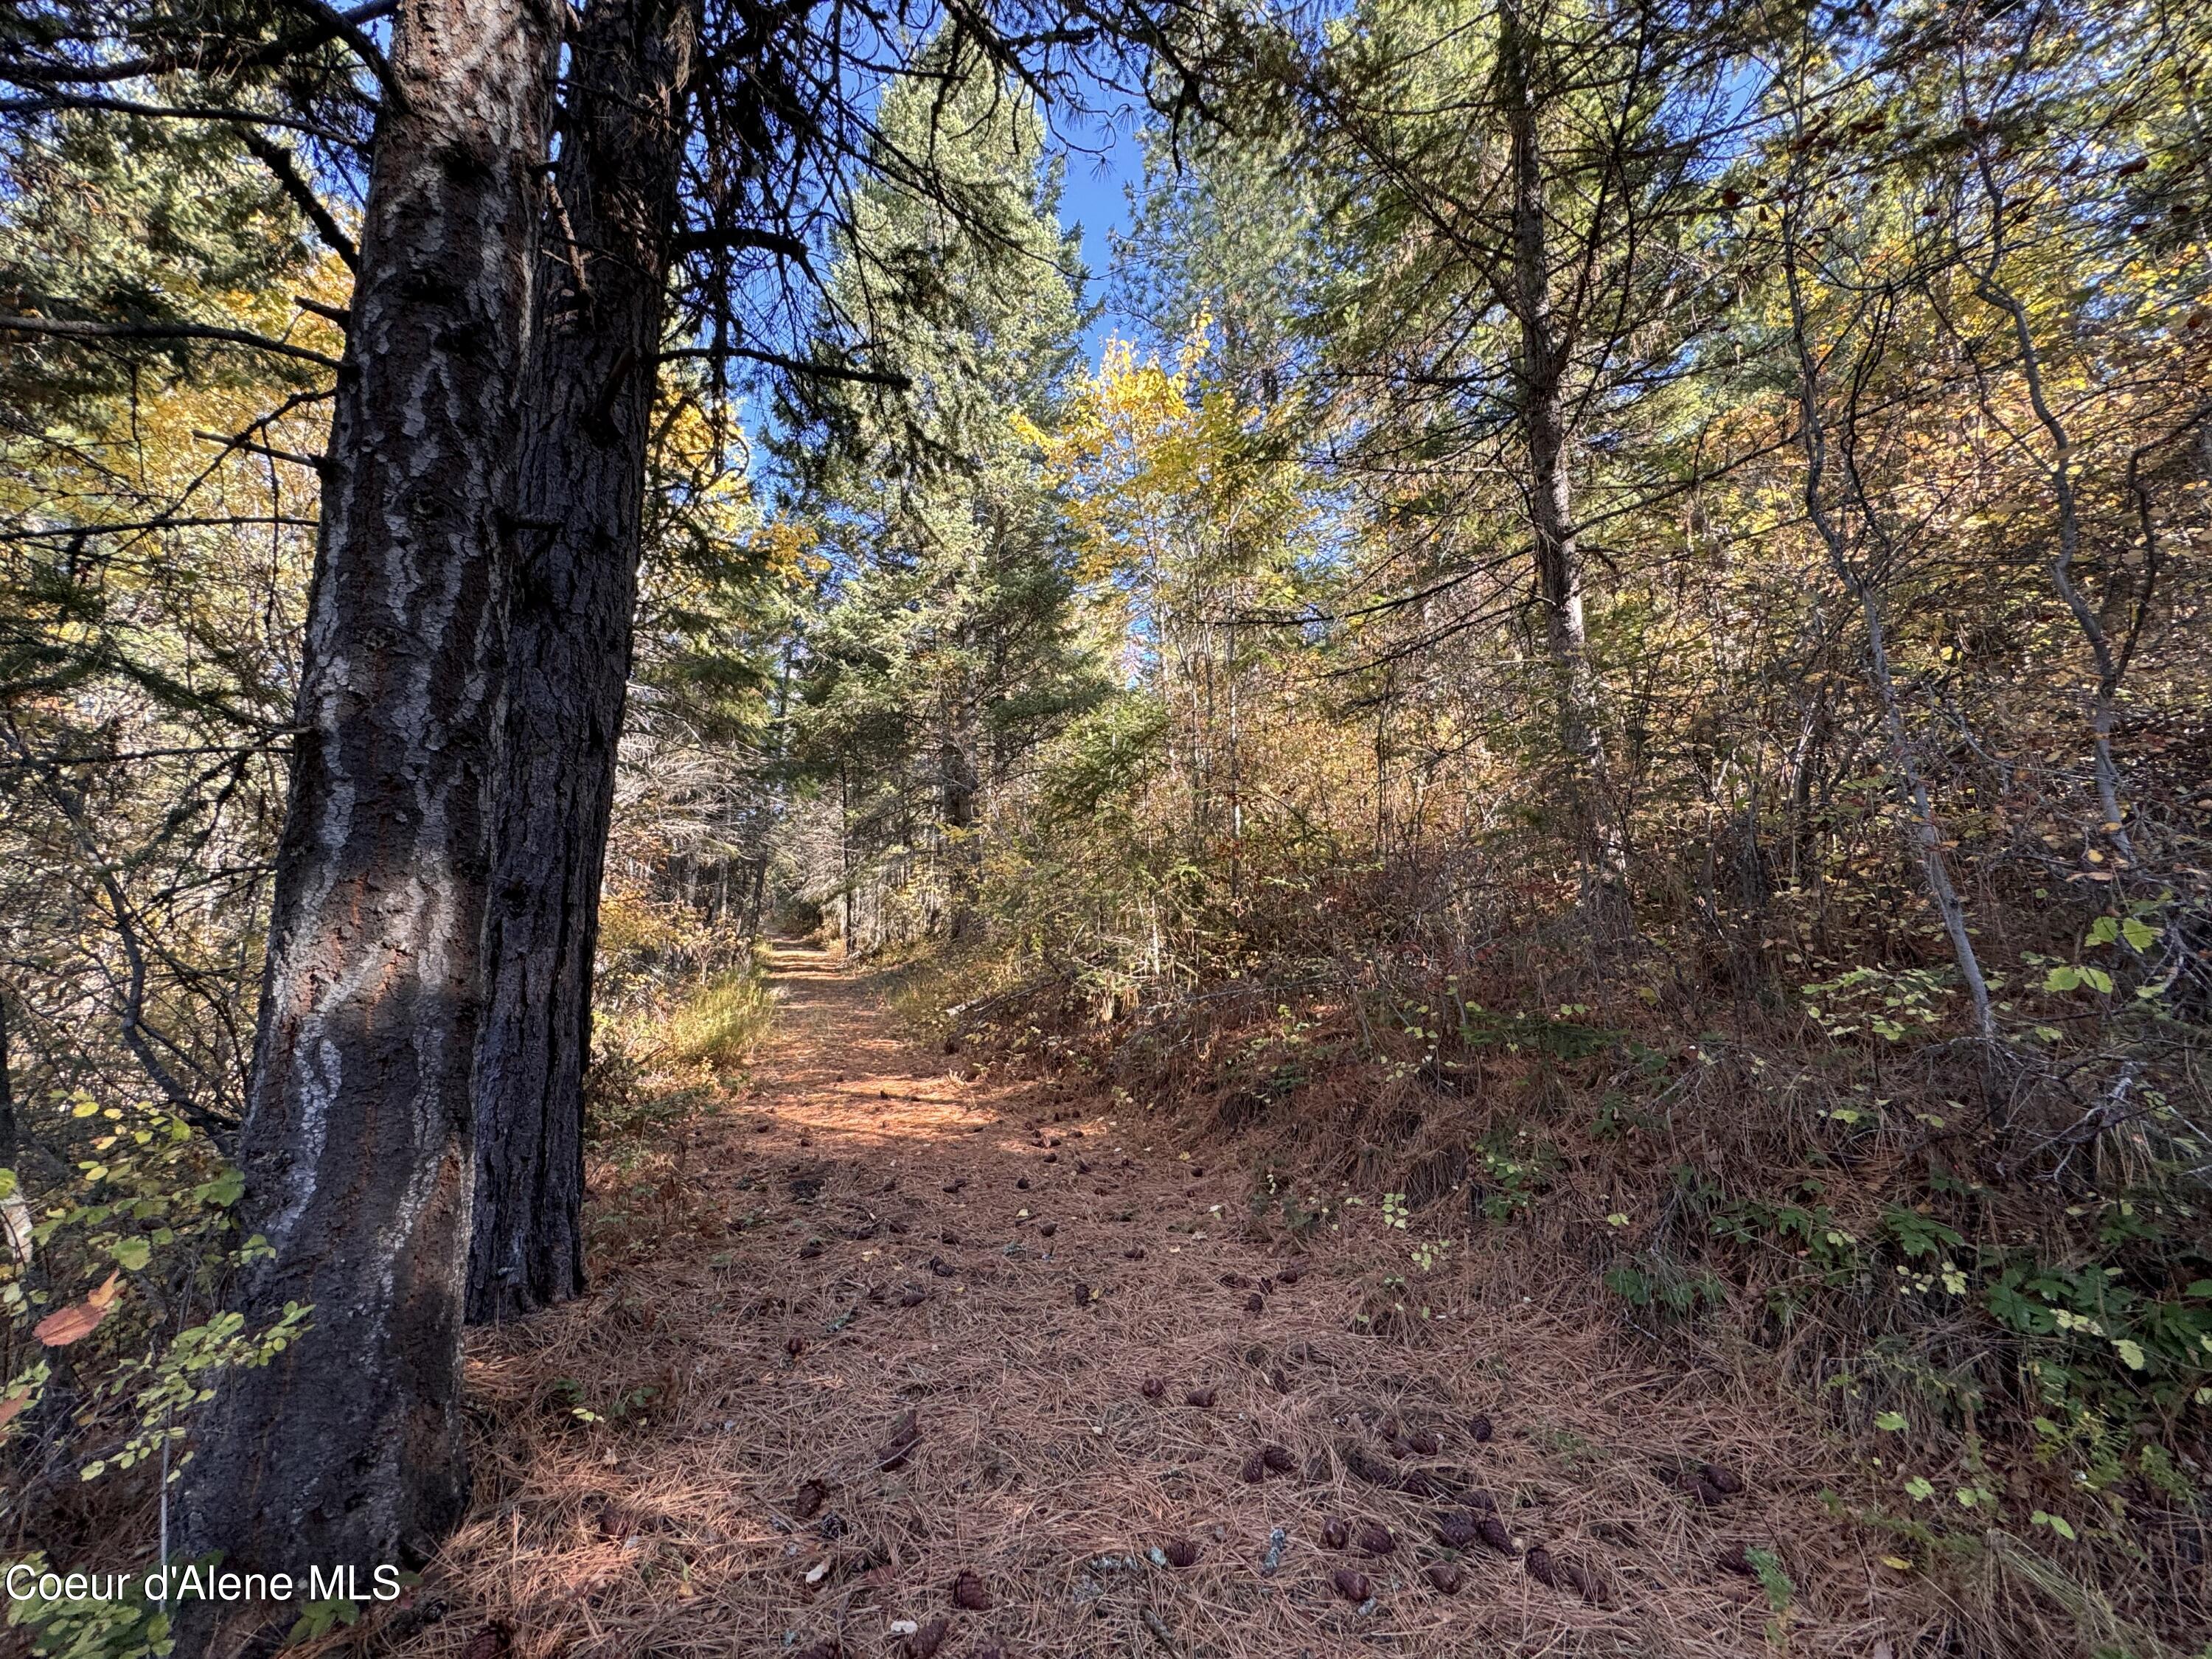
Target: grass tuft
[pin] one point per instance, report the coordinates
(719, 1023)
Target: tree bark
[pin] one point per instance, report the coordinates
(580, 503)
(348, 1448)
(957, 787)
(7, 1092)
(1599, 854)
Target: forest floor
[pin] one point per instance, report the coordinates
(864, 1326)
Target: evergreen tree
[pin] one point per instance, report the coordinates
(1509, 185)
(949, 647)
(355, 1147)
(586, 418)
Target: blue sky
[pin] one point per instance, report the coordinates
(1103, 158)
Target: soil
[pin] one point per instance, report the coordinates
(867, 1349)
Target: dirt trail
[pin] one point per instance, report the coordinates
(863, 1332)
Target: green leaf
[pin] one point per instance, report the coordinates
(1920, 1489)
(2062, 978)
(223, 1191)
(2097, 980)
(133, 1253)
(1891, 1420)
(2021, 1313)
(2131, 1351)
(2138, 932)
(2103, 930)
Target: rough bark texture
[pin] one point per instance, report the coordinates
(578, 506)
(349, 1448)
(7, 1092)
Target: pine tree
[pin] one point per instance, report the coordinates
(355, 1148)
(587, 409)
(950, 648)
(1516, 175)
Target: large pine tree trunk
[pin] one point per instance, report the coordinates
(1542, 374)
(355, 1148)
(578, 509)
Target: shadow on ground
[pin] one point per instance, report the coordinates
(868, 1349)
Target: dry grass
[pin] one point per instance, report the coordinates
(678, 1524)
(1636, 1166)
(719, 1022)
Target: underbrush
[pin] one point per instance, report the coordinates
(717, 1024)
(679, 998)
(116, 1237)
(1989, 1273)
(682, 1007)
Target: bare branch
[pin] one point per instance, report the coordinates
(279, 161)
(794, 365)
(70, 329)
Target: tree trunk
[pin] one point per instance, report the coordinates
(348, 1448)
(957, 786)
(7, 1092)
(1928, 837)
(1542, 372)
(753, 902)
(579, 504)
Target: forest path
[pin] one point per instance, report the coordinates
(868, 1328)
